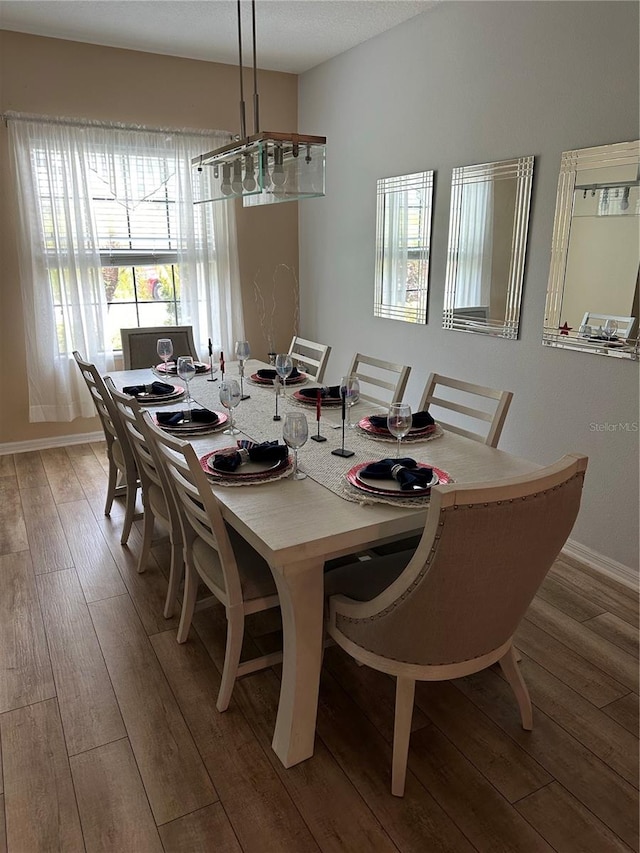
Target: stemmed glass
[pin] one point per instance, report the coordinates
(350, 386)
(284, 366)
(165, 350)
(243, 351)
(610, 328)
(186, 370)
(230, 397)
(399, 421)
(295, 433)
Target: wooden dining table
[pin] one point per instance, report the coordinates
(298, 525)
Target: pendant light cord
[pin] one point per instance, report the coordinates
(243, 122)
(256, 102)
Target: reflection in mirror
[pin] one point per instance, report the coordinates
(592, 298)
(487, 243)
(403, 235)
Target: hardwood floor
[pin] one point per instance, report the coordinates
(110, 739)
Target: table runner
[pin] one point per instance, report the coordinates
(254, 417)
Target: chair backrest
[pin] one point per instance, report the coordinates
(484, 552)
(109, 418)
(625, 324)
(313, 356)
(130, 414)
(139, 346)
(198, 508)
(458, 402)
(383, 383)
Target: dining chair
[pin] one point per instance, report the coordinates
(451, 608)
(462, 391)
(157, 497)
(139, 346)
(311, 356)
(216, 554)
(384, 377)
(123, 473)
(595, 320)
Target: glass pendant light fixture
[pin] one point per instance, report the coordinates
(265, 168)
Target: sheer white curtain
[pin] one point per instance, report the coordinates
(207, 254)
(473, 280)
(57, 168)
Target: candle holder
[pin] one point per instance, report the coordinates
(340, 451)
(318, 437)
(211, 377)
(243, 396)
(276, 386)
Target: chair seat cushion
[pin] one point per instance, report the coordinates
(365, 579)
(255, 575)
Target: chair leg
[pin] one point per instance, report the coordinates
(111, 487)
(175, 575)
(405, 691)
(514, 677)
(235, 634)
(132, 494)
(188, 602)
(147, 536)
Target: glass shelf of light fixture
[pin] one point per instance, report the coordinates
(262, 171)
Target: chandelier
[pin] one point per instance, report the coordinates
(266, 167)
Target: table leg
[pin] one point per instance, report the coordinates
(301, 591)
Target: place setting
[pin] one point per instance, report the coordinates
(191, 422)
(283, 369)
(154, 392)
(417, 426)
(170, 368)
(401, 480)
(248, 463)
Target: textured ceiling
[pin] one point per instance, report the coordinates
(292, 35)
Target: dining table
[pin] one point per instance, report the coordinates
(299, 525)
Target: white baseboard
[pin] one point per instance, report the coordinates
(44, 443)
(604, 565)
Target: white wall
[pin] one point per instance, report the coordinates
(469, 83)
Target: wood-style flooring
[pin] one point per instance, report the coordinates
(110, 739)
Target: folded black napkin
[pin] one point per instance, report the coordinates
(158, 388)
(419, 420)
(199, 416)
(331, 392)
(405, 471)
(268, 451)
(269, 373)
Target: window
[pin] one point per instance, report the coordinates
(138, 250)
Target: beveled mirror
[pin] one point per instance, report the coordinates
(488, 226)
(403, 235)
(592, 297)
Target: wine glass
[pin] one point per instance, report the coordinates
(610, 328)
(186, 370)
(243, 351)
(350, 387)
(230, 397)
(284, 366)
(295, 433)
(165, 350)
(399, 421)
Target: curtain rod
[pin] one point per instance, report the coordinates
(112, 125)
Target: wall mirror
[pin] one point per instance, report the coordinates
(592, 297)
(403, 236)
(488, 226)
